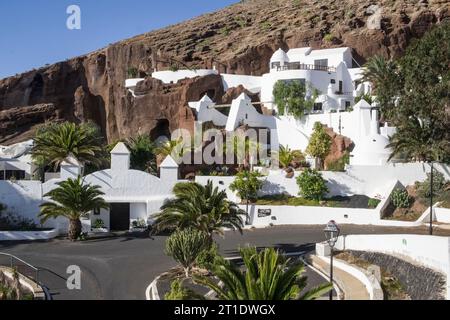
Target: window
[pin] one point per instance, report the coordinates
(321, 64)
(96, 211)
(347, 104)
(14, 174)
(333, 81)
(2, 175)
(317, 106)
(275, 65)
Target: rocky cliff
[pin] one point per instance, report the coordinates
(238, 39)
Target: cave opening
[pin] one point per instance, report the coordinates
(162, 129)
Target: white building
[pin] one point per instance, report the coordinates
(327, 70)
(131, 194)
(16, 162)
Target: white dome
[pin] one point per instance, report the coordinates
(371, 150)
(279, 56)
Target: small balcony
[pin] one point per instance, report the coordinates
(302, 66)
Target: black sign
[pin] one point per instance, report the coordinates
(264, 213)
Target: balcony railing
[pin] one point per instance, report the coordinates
(302, 66)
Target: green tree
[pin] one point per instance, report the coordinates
(72, 199)
(175, 148)
(185, 246)
(267, 276)
(247, 184)
(142, 155)
(204, 208)
(319, 144)
(422, 114)
(386, 81)
(291, 98)
(53, 143)
(312, 185)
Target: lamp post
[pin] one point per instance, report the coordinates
(331, 234)
(431, 200)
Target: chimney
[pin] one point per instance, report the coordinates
(168, 170)
(70, 168)
(374, 125)
(120, 158)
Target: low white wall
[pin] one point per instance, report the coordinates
(442, 214)
(430, 251)
(290, 215)
(372, 285)
(28, 235)
(406, 173)
(174, 76)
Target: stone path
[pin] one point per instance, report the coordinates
(352, 287)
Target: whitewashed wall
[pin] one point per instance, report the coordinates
(22, 197)
(174, 76)
(430, 251)
(442, 215)
(406, 173)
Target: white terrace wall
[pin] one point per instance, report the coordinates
(430, 251)
(406, 173)
(305, 215)
(22, 197)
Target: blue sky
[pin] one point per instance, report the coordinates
(34, 32)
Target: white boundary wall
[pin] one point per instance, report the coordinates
(430, 251)
(28, 235)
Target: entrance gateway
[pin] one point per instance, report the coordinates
(119, 215)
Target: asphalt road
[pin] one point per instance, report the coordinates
(122, 267)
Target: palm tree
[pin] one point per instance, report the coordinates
(267, 276)
(417, 140)
(55, 142)
(286, 156)
(72, 199)
(200, 207)
(383, 75)
(174, 148)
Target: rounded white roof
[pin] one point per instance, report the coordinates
(279, 56)
(374, 143)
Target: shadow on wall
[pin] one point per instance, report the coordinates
(22, 198)
(338, 189)
(272, 188)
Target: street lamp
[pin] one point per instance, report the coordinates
(331, 234)
(431, 200)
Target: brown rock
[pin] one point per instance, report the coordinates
(340, 145)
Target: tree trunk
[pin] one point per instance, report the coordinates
(74, 229)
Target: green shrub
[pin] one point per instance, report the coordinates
(373, 203)
(439, 184)
(328, 37)
(185, 246)
(98, 224)
(312, 185)
(339, 164)
(206, 258)
(132, 72)
(400, 198)
(179, 292)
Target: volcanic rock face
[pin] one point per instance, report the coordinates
(238, 39)
(340, 145)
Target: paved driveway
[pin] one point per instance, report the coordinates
(121, 268)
